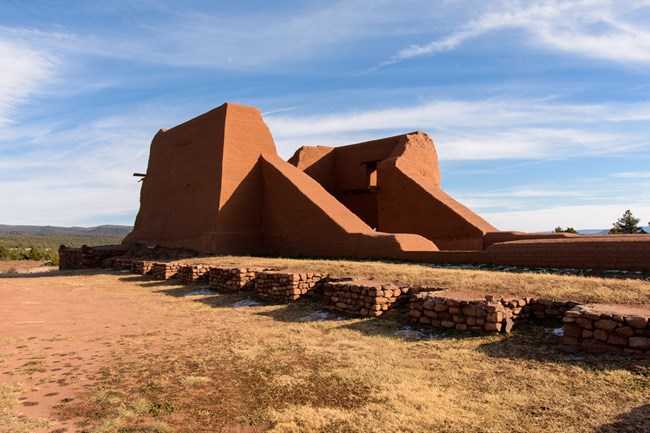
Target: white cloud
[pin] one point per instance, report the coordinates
(483, 129)
(545, 219)
(603, 29)
(83, 174)
(632, 174)
(23, 71)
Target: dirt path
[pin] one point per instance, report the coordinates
(58, 329)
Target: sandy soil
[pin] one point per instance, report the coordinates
(23, 266)
(57, 329)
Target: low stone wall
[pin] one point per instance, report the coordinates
(142, 267)
(461, 311)
(165, 271)
(121, 264)
(363, 297)
(193, 273)
(232, 279)
(469, 311)
(285, 286)
(87, 257)
(594, 328)
(607, 329)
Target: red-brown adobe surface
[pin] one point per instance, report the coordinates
(216, 184)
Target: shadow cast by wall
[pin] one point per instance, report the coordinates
(635, 421)
(536, 341)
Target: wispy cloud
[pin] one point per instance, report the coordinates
(602, 29)
(483, 129)
(23, 71)
(82, 174)
(545, 219)
(632, 174)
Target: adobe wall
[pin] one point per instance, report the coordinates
(628, 252)
(402, 196)
(215, 184)
(302, 219)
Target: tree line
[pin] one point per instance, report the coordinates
(46, 247)
(628, 224)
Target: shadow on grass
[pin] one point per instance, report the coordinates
(635, 421)
(150, 282)
(203, 294)
(536, 341)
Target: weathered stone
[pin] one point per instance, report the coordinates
(469, 311)
(600, 334)
(606, 324)
(617, 340)
(585, 323)
(492, 327)
(507, 325)
(640, 343)
(429, 304)
(572, 330)
(440, 307)
(637, 321)
(625, 331)
(447, 324)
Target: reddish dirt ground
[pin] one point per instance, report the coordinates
(58, 328)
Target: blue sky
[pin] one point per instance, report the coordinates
(540, 111)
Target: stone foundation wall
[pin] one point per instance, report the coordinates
(142, 267)
(286, 286)
(617, 329)
(87, 257)
(363, 298)
(466, 311)
(594, 329)
(232, 279)
(193, 273)
(120, 264)
(165, 271)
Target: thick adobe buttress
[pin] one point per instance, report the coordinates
(217, 185)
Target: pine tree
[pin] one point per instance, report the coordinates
(627, 224)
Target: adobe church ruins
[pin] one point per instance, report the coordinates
(216, 184)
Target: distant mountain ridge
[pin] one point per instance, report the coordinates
(103, 230)
(605, 231)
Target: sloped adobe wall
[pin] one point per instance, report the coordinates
(406, 197)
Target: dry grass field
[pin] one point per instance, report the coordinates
(101, 352)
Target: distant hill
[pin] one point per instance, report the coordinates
(103, 230)
(593, 231)
(604, 231)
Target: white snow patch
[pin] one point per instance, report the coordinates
(201, 292)
(316, 316)
(246, 303)
(409, 333)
